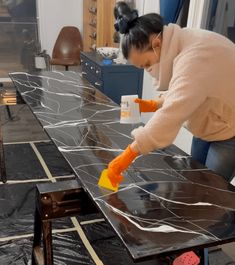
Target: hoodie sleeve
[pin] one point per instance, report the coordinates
(188, 89)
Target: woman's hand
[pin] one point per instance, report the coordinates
(119, 164)
(147, 105)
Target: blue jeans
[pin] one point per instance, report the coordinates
(218, 156)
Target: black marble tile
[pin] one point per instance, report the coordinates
(104, 241)
(164, 216)
(167, 202)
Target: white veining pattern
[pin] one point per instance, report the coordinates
(167, 201)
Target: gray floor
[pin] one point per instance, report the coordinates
(25, 128)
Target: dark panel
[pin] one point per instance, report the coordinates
(56, 164)
(19, 36)
(19, 160)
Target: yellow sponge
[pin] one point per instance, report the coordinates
(104, 181)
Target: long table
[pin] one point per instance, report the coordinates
(167, 203)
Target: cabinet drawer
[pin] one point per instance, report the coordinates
(93, 80)
(98, 71)
(112, 80)
(89, 66)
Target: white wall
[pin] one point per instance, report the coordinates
(55, 14)
(148, 6)
(197, 13)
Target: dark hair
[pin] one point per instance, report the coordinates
(139, 30)
(125, 16)
(120, 9)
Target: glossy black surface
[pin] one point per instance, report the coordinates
(166, 203)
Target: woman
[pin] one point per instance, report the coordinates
(197, 69)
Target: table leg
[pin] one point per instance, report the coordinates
(2, 158)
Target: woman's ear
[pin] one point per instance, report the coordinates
(156, 43)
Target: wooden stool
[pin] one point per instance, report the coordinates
(56, 200)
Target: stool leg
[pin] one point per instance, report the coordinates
(66, 67)
(2, 159)
(9, 113)
(47, 242)
(42, 227)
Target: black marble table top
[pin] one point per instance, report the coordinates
(167, 202)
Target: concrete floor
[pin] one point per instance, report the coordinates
(229, 249)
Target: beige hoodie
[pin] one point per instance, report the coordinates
(197, 67)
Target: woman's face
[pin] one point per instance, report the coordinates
(149, 56)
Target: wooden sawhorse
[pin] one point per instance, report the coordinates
(56, 200)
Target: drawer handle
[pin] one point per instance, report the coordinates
(84, 73)
(97, 84)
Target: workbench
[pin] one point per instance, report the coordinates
(166, 204)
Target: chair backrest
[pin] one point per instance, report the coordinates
(68, 44)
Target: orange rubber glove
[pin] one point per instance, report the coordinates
(147, 105)
(119, 164)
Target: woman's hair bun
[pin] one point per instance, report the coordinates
(124, 17)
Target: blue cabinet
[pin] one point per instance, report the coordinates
(113, 80)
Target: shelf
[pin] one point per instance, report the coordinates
(94, 20)
(92, 12)
(92, 37)
(92, 25)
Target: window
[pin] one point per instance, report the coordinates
(19, 36)
(221, 17)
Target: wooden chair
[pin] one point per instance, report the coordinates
(67, 48)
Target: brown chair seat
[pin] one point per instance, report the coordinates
(67, 47)
(69, 62)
